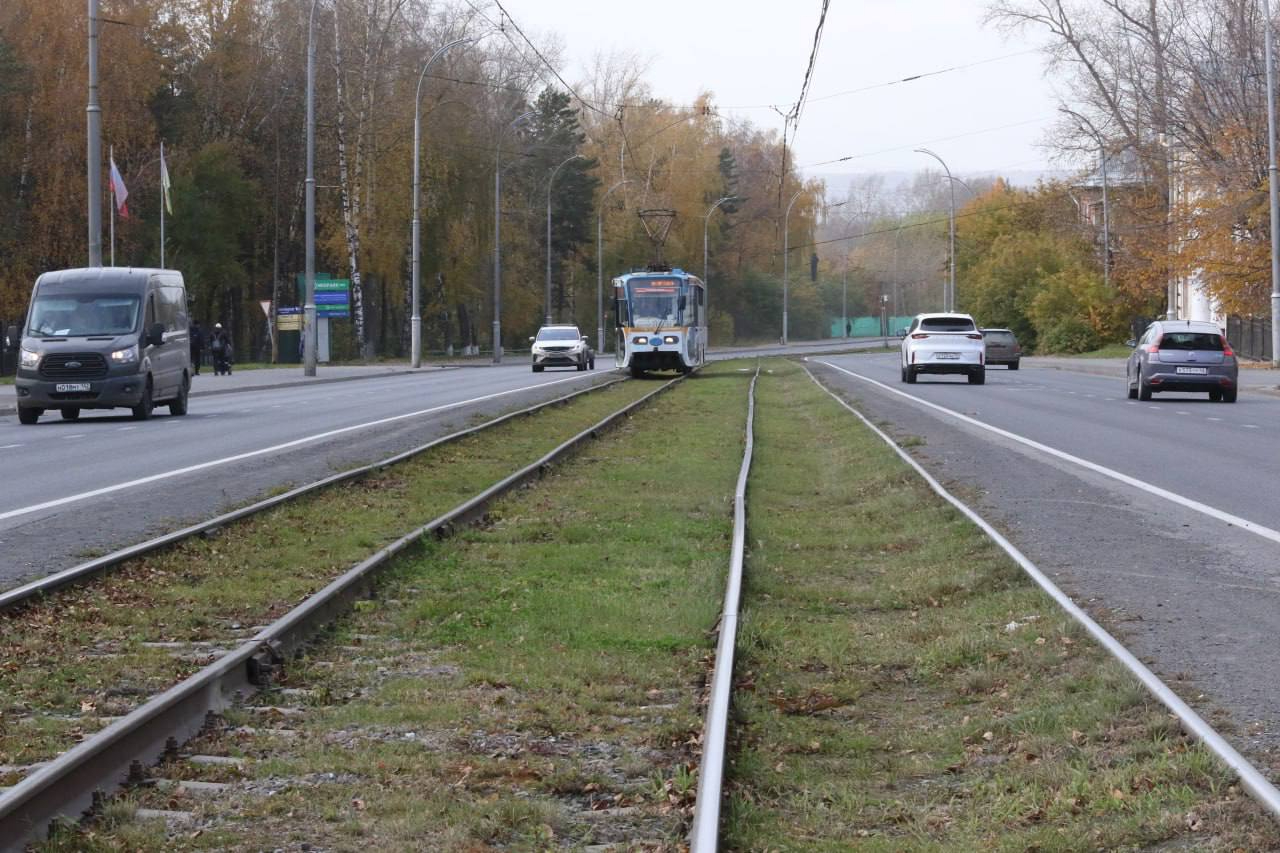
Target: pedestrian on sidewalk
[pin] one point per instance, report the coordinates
(197, 345)
(220, 349)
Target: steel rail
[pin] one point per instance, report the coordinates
(79, 779)
(35, 589)
(705, 834)
(1258, 786)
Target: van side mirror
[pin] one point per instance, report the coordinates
(11, 338)
(902, 333)
(531, 340)
(155, 335)
(1131, 343)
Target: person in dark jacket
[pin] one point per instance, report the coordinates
(197, 345)
(220, 349)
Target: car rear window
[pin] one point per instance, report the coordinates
(1191, 340)
(947, 324)
(1000, 337)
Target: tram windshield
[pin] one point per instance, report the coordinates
(654, 302)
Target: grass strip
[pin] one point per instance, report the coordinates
(533, 684)
(903, 686)
(83, 655)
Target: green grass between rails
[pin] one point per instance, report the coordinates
(888, 701)
(528, 685)
(79, 654)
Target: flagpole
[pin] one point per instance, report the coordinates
(162, 200)
(111, 153)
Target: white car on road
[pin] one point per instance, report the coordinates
(943, 343)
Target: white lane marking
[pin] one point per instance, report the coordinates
(1215, 419)
(10, 446)
(1251, 426)
(178, 472)
(77, 435)
(1180, 412)
(1174, 497)
(1154, 407)
(122, 429)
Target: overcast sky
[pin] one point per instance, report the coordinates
(754, 52)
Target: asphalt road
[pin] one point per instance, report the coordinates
(76, 489)
(1140, 511)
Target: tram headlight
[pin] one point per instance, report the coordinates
(671, 339)
(640, 340)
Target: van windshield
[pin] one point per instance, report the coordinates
(83, 315)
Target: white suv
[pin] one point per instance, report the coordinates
(562, 346)
(943, 343)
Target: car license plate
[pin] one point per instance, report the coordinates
(71, 387)
(951, 355)
(1196, 370)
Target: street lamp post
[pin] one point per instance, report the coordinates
(1273, 174)
(309, 300)
(949, 297)
(706, 276)
(497, 238)
(1106, 207)
(551, 183)
(600, 265)
(786, 249)
(415, 320)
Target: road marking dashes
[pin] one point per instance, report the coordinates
(10, 446)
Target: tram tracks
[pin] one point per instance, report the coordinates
(236, 657)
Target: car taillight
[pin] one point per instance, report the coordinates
(1227, 351)
(1153, 348)
(919, 336)
(974, 337)
(1017, 349)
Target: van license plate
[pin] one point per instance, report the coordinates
(71, 387)
(1196, 370)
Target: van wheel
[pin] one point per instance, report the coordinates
(142, 411)
(178, 405)
(1144, 390)
(978, 377)
(71, 413)
(1229, 395)
(911, 375)
(29, 416)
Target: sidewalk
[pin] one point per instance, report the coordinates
(1253, 376)
(206, 384)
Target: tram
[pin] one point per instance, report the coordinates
(660, 318)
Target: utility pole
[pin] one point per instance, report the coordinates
(93, 112)
(1273, 175)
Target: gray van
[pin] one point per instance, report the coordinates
(104, 338)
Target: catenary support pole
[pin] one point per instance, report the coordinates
(706, 273)
(497, 238)
(309, 336)
(93, 116)
(600, 265)
(551, 183)
(415, 264)
(786, 251)
(1273, 176)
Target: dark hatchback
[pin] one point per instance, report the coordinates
(1002, 348)
(1182, 355)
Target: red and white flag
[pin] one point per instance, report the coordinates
(119, 191)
